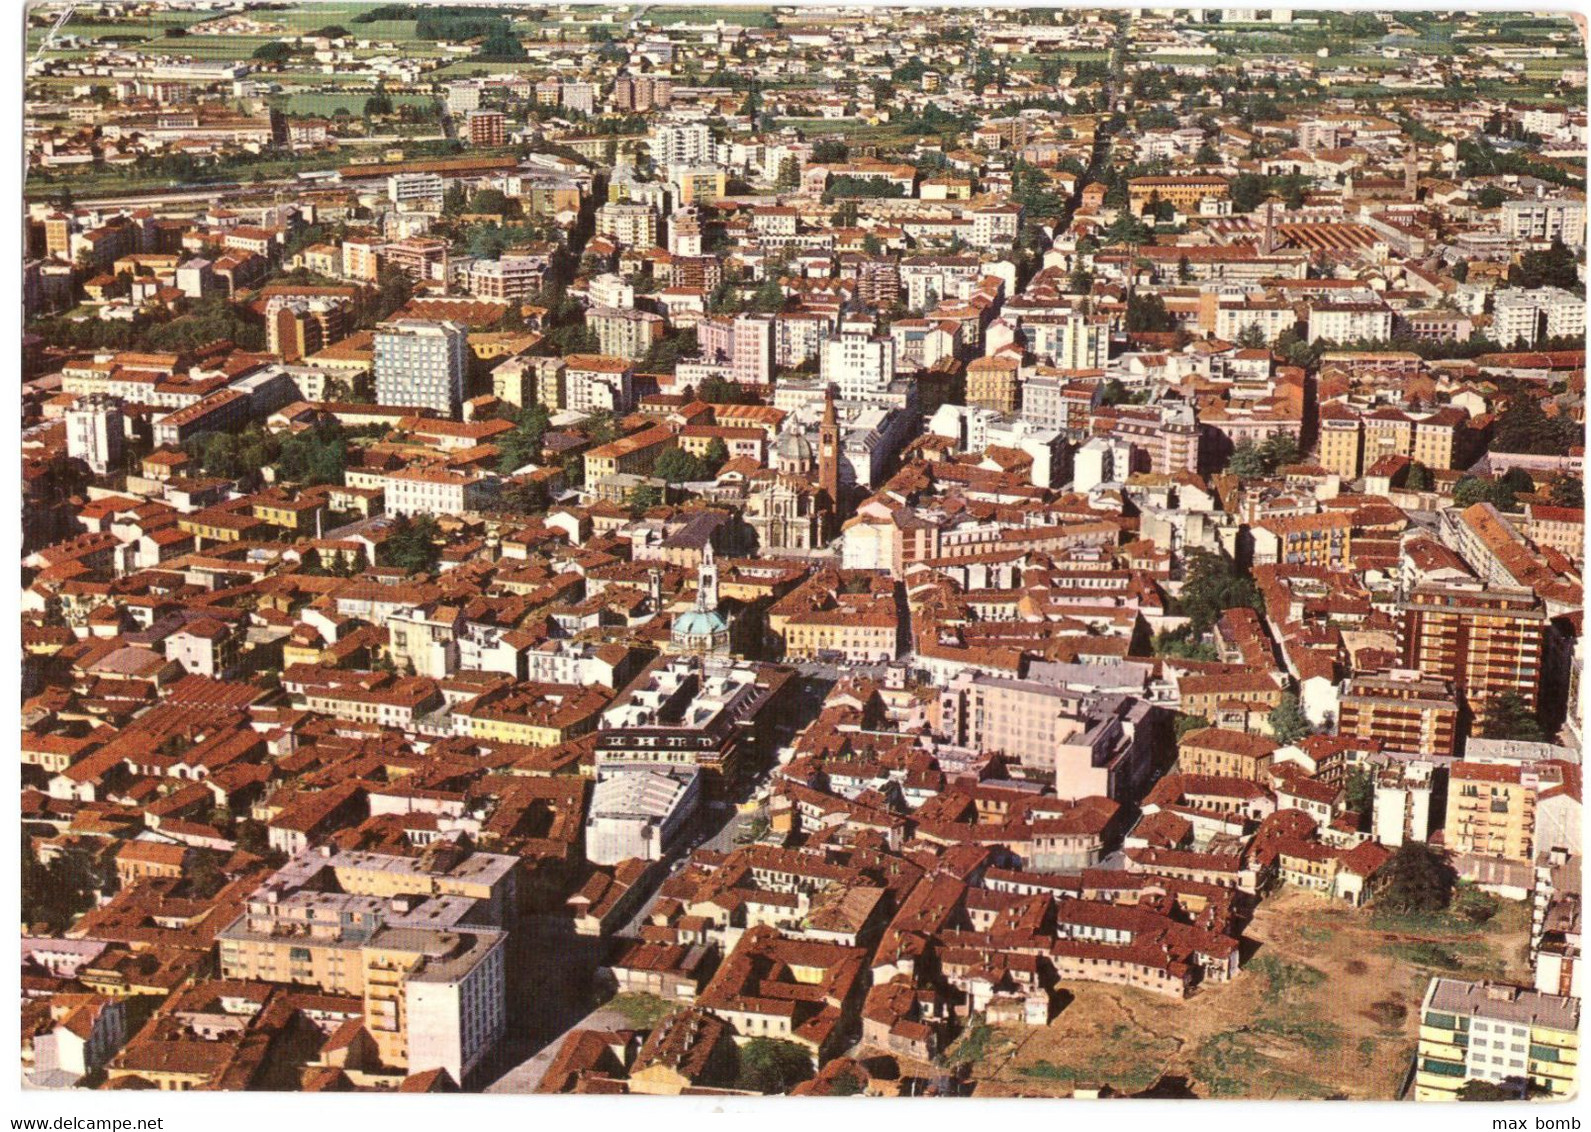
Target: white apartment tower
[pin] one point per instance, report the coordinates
(859, 363)
(685, 143)
(421, 364)
(94, 432)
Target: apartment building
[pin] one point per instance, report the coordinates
(1545, 218)
(1402, 712)
(1504, 1035)
(511, 277)
(1349, 322)
(95, 432)
(992, 383)
(421, 364)
(1233, 754)
(1524, 317)
(1491, 810)
(1483, 641)
(858, 362)
(596, 383)
(639, 93)
(628, 225)
(1184, 192)
(486, 127)
(681, 143)
(438, 491)
(417, 940)
(297, 326)
(624, 333)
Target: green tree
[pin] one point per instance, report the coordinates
(1248, 461)
(1252, 337)
(1489, 1091)
(1113, 393)
(273, 53)
(412, 546)
(1147, 314)
(1416, 879)
(771, 1065)
(317, 455)
(1522, 426)
(393, 290)
(789, 176)
(1128, 229)
(523, 445)
(1181, 643)
(1567, 491)
(1509, 717)
(1472, 489)
(1287, 720)
(675, 465)
(643, 497)
(1185, 723)
(1360, 790)
(1555, 267)
(1419, 478)
(716, 456)
(845, 1083)
(1279, 449)
(489, 202)
(768, 298)
(829, 150)
(1211, 586)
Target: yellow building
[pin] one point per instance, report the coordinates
(1491, 810)
(856, 636)
(1236, 754)
(398, 932)
(992, 384)
(700, 185)
(1324, 540)
(1507, 1036)
(539, 715)
(1184, 192)
(629, 455)
(295, 514)
(1341, 444)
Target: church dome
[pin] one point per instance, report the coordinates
(700, 623)
(794, 452)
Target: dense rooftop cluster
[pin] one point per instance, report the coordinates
(842, 526)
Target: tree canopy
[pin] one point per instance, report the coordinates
(1416, 879)
(1213, 585)
(772, 1065)
(412, 545)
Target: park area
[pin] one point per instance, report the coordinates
(1327, 1006)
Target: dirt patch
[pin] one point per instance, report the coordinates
(1321, 1010)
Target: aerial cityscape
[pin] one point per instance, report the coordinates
(828, 551)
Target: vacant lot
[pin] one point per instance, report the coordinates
(1327, 1006)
